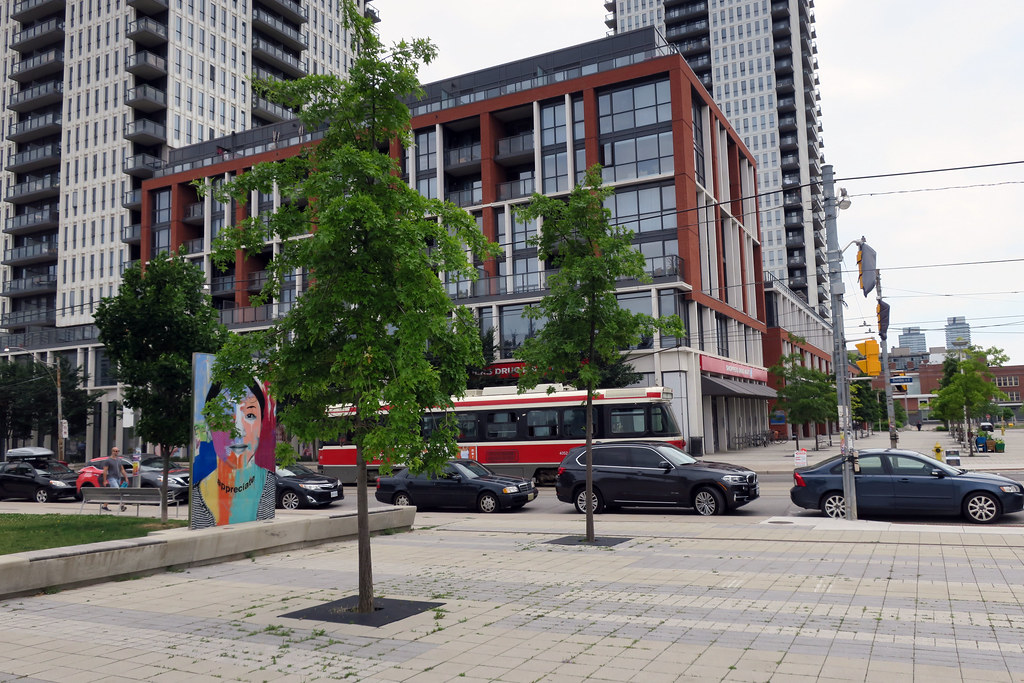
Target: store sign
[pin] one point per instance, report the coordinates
(501, 370)
(733, 369)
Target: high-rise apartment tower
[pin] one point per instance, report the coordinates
(757, 59)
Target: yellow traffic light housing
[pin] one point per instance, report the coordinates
(872, 364)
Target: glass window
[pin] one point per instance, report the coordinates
(542, 424)
(871, 464)
(905, 465)
(574, 423)
(501, 426)
(646, 458)
(626, 421)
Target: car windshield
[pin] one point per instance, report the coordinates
(294, 471)
(675, 455)
(471, 469)
(49, 466)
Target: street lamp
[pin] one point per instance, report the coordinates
(60, 403)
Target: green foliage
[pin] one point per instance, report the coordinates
(150, 329)
(584, 327)
(807, 395)
(866, 406)
(376, 326)
(284, 454)
(967, 384)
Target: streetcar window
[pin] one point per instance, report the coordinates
(542, 424)
(467, 426)
(627, 421)
(662, 422)
(428, 424)
(501, 425)
(574, 423)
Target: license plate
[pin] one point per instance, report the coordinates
(533, 494)
(334, 494)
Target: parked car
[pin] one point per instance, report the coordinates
(299, 486)
(461, 484)
(894, 481)
(152, 477)
(653, 473)
(36, 479)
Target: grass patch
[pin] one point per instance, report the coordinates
(19, 533)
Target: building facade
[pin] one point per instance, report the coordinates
(486, 140)
(98, 94)
(913, 340)
(757, 59)
(958, 333)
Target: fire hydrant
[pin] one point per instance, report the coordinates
(937, 450)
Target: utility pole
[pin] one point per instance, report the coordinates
(839, 361)
(883, 331)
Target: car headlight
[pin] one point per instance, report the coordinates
(510, 489)
(735, 478)
(57, 483)
(310, 487)
(1010, 488)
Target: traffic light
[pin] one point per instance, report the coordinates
(871, 365)
(866, 266)
(882, 309)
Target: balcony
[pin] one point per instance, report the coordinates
(470, 197)
(787, 104)
(29, 10)
(289, 9)
(149, 6)
(194, 214)
(790, 162)
(128, 265)
(515, 148)
(694, 46)
(39, 284)
(256, 281)
(146, 98)
(794, 239)
(147, 31)
(248, 316)
(515, 189)
(688, 29)
(132, 199)
(34, 159)
(33, 190)
(38, 36)
(798, 281)
(37, 97)
(796, 261)
(145, 65)
(794, 219)
(32, 252)
(222, 284)
(36, 127)
(41, 316)
(40, 66)
(685, 11)
(278, 57)
(277, 29)
(194, 246)
(270, 111)
(131, 234)
(145, 132)
(33, 221)
(609, 21)
(788, 122)
(142, 165)
(468, 155)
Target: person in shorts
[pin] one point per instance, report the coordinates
(114, 474)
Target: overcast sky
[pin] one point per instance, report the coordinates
(912, 85)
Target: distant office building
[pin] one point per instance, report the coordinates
(914, 340)
(758, 60)
(958, 333)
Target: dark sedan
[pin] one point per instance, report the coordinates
(653, 474)
(38, 480)
(299, 486)
(895, 481)
(461, 484)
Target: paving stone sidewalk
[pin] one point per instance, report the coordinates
(684, 598)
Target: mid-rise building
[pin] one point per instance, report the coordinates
(98, 93)
(913, 340)
(958, 333)
(684, 183)
(757, 58)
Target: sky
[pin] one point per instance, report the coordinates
(907, 86)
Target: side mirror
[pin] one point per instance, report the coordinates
(455, 477)
(666, 465)
(938, 473)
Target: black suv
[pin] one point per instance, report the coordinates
(653, 473)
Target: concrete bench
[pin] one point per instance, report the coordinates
(106, 495)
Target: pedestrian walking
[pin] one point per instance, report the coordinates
(114, 475)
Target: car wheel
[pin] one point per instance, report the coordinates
(708, 502)
(982, 508)
(401, 498)
(43, 495)
(833, 504)
(487, 502)
(290, 500)
(596, 502)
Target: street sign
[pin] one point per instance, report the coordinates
(901, 379)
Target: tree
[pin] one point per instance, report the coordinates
(966, 389)
(151, 328)
(584, 327)
(376, 327)
(807, 395)
(866, 407)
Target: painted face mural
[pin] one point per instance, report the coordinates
(230, 481)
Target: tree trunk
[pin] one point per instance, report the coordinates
(590, 464)
(363, 525)
(163, 483)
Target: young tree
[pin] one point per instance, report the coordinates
(376, 327)
(966, 387)
(807, 395)
(150, 329)
(584, 327)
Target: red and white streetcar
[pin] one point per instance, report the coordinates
(528, 435)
